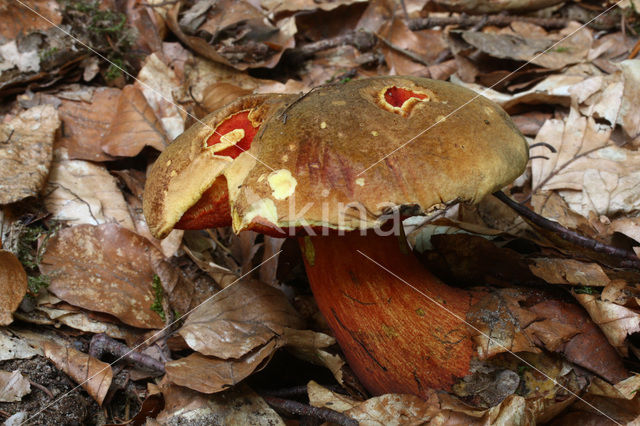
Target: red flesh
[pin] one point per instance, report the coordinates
(395, 339)
(212, 209)
(397, 96)
(239, 120)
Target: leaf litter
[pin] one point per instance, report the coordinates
(79, 143)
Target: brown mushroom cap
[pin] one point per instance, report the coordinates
(306, 162)
(333, 134)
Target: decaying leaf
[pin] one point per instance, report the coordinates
(86, 115)
(616, 322)
(14, 347)
(239, 319)
(211, 375)
(569, 271)
(134, 126)
(13, 386)
(93, 375)
(17, 19)
(236, 406)
(436, 409)
(26, 144)
(82, 192)
(103, 268)
(13, 285)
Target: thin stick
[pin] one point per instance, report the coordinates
(297, 408)
(629, 259)
(101, 343)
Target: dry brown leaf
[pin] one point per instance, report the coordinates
(93, 375)
(218, 95)
(162, 90)
(103, 268)
(82, 192)
(86, 115)
(569, 271)
(82, 321)
(134, 126)
(26, 144)
(277, 6)
(616, 322)
(210, 375)
(236, 406)
(436, 409)
(17, 19)
(239, 319)
(495, 6)
(13, 386)
(14, 347)
(13, 285)
(312, 347)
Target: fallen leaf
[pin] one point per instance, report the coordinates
(14, 347)
(569, 271)
(27, 61)
(103, 268)
(17, 19)
(82, 192)
(13, 285)
(93, 375)
(26, 144)
(211, 375)
(236, 406)
(134, 126)
(239, 319)
(161, 88)
(13, 386)
(83, 322)
(616, 322)
(495, 6)
(86, 115)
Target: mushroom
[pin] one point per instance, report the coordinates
(335, 162)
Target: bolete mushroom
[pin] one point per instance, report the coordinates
(303, 169)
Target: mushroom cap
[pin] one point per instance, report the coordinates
(452, 146)
(315, 160)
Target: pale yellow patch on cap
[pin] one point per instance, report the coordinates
(323, 125)
(360, 181)
(228, 140)
(282, 183)
(375, 133)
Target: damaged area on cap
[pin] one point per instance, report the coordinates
(401, 100)
(189, 167)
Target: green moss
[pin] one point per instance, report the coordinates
(586, 290)
(158, 291)
(30, 245)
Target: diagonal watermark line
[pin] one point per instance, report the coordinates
(463, 320)
(491, 87)
(145, 85)
(152, 337)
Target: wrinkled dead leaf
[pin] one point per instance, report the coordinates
(86, 115)
(103, 268)
(237, 406)
(13, 285)
(239, 319)
(13, 386)
(210, 375)
(616, 322)
(82, 192)
(569, 271)
(436, 408)
(26, 144)
(162, 89)
(82, 321)
(14, 347)
(134, 126)
(93, 375)
(17, 19)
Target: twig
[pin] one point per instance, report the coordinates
(297, 408)
(629, 259)
(297, 391)
(411, 55)
(361, 40)
(42, 388)
(471, 21)
(101, 344)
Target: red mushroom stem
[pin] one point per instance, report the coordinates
(395, 339)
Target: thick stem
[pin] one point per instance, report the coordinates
(395, 339)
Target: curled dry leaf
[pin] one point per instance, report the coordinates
(134, 126)
(239, 319)
(26, 144)
(211, 375)
(13, 386)
(83, 322)
(161, 88)
(569, 271)
(93, 375)
(519, 320)
(103, 268)
(13, 285)
(237, 406)
(616, 322)
(82, 192)
(435, 409)
(86, 116)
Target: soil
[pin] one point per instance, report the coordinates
(76, 408)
